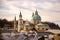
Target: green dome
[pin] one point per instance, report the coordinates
(36, 17)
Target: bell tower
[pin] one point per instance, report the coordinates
(20, 23)
(15, 23)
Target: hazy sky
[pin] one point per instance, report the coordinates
(49, 10)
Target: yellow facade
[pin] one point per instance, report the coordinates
(41, 28)
(28, 28)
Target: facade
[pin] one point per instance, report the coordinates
(34, 24)
(41, 27)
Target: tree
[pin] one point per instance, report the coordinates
(0, 34)
(52, 25)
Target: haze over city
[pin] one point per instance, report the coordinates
(49, 10)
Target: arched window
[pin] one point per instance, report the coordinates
(46, 28)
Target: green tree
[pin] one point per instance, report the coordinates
(0, 34)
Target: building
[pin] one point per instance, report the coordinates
(28, 26)
(55, 35)
(31, 30)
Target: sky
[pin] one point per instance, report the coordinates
(49, 10)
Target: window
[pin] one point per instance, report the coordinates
(58, 34)
(46, 28)
(42, 28)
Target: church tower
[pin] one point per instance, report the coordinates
(20, 23)
(15, 23)
(36, 18)
(32, 14)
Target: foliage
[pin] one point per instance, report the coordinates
(4, 23)
(52, 25)
(0, 35)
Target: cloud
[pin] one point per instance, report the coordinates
(49, 10)
(3, 7)
(38, 1)
(53, 1)
(56, 8)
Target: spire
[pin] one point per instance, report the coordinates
(36, 12)
(15, 17)
(20, 15)
(15, 23)
(32, 14)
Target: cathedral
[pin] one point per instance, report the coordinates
(34, 25)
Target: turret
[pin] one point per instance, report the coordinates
(15, 23)
(32, 14)
(36, 12)
(20, 16)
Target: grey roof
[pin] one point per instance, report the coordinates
(41, 24)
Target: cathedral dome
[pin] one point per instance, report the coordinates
(36, 17)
